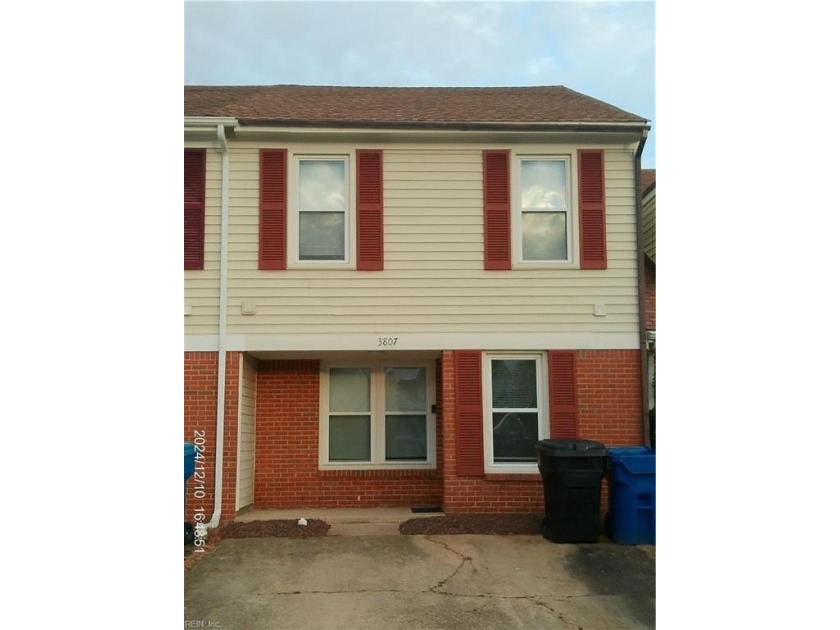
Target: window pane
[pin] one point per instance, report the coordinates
(515, 437)
(543, 184)
(321, 236)
(544, 236)
(405, 437)
(514, 384)
(349, 389)
(405, 389)
(322, 185)
(349, 438)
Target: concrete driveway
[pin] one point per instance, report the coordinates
(420, 582)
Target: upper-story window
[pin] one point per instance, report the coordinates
(542, 210)
(534, 217)
(323, 212)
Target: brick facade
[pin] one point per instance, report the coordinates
(609, 411)
(200, 378)
(287, 421)
(610, 397)
(200, 421)
(286, 471)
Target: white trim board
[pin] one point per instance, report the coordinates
(367, 342)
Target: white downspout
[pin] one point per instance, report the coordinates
(220, 383)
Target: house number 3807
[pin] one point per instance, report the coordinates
(386, 341)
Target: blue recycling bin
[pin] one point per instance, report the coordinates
(632, 506)
(189, 462)
(189, 469)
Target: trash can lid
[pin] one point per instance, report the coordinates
(637, 460)
(571, 448)
(640, 465)
(620, 452)
(189, 449)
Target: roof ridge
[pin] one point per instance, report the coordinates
(386, 87)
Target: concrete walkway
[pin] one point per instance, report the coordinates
(420, 583)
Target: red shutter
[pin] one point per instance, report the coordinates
(469, 443)
(496, 210)
(369, 211)
(562, 394)
(593, 209)
(272, 255)
(194, 176)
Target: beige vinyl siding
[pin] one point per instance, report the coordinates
(649, 224)
(201, 288)
(434, 278)
(246, 432)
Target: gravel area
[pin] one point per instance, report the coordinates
(527, 524)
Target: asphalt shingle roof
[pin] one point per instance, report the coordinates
(299, 104)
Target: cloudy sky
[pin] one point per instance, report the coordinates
(603, 49)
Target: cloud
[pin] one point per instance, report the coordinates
(605, 50)
(541, 66)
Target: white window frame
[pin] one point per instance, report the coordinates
(487, 403)
(349, 262)
(570, 210)
(377, 432)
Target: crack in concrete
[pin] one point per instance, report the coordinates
(436, 589)
(559, 614)
(464, 560)
(532, 598)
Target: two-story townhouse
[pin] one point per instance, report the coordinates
(391, 294)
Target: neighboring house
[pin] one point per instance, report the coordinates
(408, 288)
(649, 246)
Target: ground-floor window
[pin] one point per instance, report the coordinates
(377, 415)
(515, 410)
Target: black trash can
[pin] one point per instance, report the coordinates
(572, 471)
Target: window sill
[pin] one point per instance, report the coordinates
(306, 266)
(524, 266)
(521, 469)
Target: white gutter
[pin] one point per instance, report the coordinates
(253, 129)
(223, 282)
(209, 121)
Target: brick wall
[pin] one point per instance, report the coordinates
(287, 423)
(200, 377)
(286, 471)
(200, 421)
(610, 397)
(609, 404)
(650, 294)
(609, 400)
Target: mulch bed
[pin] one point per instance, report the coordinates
(275, 529)
(504, 524)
